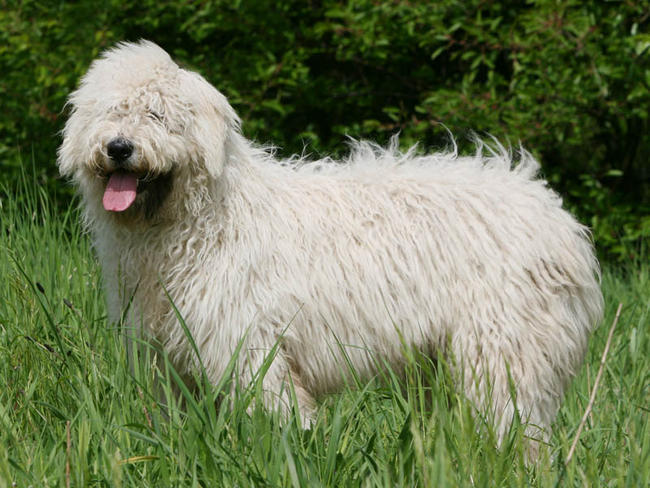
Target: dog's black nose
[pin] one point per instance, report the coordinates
(119, 149)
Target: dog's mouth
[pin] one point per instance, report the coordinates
(128, 192)
(120, 192)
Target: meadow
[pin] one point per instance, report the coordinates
(72, 412)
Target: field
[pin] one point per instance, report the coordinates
(72, 413)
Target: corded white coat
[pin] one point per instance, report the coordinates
(468, 258)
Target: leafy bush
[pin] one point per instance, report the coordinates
(569, 80)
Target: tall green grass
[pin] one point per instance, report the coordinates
(72, 412)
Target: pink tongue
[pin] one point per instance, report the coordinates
(120, 192)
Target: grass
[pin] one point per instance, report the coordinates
(73, 414)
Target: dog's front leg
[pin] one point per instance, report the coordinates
(265, 367)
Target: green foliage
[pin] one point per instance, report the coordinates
(569, 80)
(72, 412)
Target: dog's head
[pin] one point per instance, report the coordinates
(138, 123)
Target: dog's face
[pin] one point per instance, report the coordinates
(138, 123)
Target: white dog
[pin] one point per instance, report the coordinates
(466, 258)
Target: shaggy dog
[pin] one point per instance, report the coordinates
(329, 265)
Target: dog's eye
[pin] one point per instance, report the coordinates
(155, 115)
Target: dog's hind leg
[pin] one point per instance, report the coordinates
(504, 374)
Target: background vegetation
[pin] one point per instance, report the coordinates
(569, 79)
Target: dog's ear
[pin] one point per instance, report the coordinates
(215, 121)
(68, 156)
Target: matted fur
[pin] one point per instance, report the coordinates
(472, 258)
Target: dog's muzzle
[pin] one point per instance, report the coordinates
(126, 182)
(122, 186)
(119, 150)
